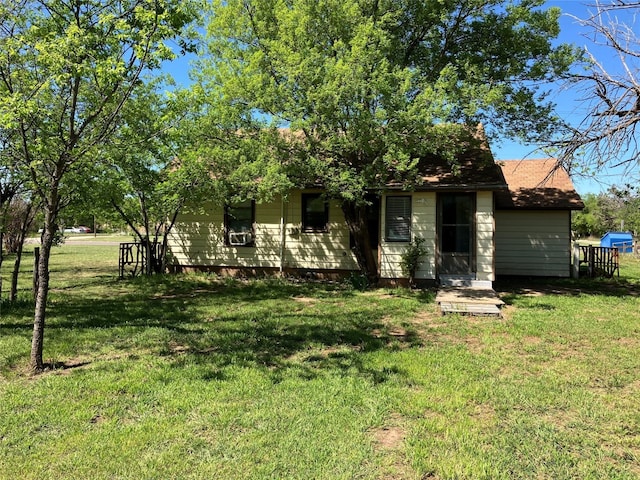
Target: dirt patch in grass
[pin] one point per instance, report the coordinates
(336, 350)
(394, 332)
(389, 438)
(391, 435)
(428, 319)
(324, 353)
(628, 342)
(177, 348)
(389, 441)
(308, 301)
(97, 419)
(484, 413)
(531, 341)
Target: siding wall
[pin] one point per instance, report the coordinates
(484, 237)
(198, 239)
(423, 224)
(533, 243)
(317, 250)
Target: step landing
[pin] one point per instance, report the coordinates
(469, 301)
(463, 281)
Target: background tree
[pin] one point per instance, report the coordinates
(586, 223)
(150, 176)
(368, 87)
(67, 69)
(19, 219)
(610, 82)
(614, 210)
(11, 186)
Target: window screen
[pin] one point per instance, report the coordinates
(315, 213)
(239, 219)
(398, 219)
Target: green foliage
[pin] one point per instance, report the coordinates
(368, 87)
(150, 175)
(412, 257)
(68, 69)
(358, 281)
(617, 209)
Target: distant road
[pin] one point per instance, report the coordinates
(88, 239)
(91, 240)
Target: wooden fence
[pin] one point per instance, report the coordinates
(133, 259)
(600, 261)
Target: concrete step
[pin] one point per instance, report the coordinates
(479, 309)
(456, 280)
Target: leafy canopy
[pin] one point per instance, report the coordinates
(368, 86)
(68, 67)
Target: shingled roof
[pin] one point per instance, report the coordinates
(537, 184)
(474, 168)
(473, 172)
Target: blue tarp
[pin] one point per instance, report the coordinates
(622, 240)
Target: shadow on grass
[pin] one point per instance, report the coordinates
(280, 326)
(512, 287)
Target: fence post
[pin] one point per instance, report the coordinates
(575, 272)
(36, 273)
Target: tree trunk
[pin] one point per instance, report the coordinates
(1, 258)
(13, 293)
(356, 218)
(26, 223)
(42, 291)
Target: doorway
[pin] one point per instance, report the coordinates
(456, 233)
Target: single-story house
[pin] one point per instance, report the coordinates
(488, 219)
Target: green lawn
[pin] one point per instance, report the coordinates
(191, 376)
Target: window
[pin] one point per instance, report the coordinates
(315, 213)
(397, 226)
(238, 224)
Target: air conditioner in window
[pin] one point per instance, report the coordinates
(240, 238)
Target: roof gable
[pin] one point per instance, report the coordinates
(537, 184)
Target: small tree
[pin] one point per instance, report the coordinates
(67, 69)
(21, 214)
(150, 175)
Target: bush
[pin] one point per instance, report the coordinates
(411, 258)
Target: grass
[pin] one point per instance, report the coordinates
(193, 376)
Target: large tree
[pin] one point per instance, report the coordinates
(67, 69)
(609, 86)
(368, 87)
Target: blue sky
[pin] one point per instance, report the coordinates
(568, 103)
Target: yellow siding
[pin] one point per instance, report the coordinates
(317, 250)
(533, 243)
(423, 224)
(198, 239)
(484, 236)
